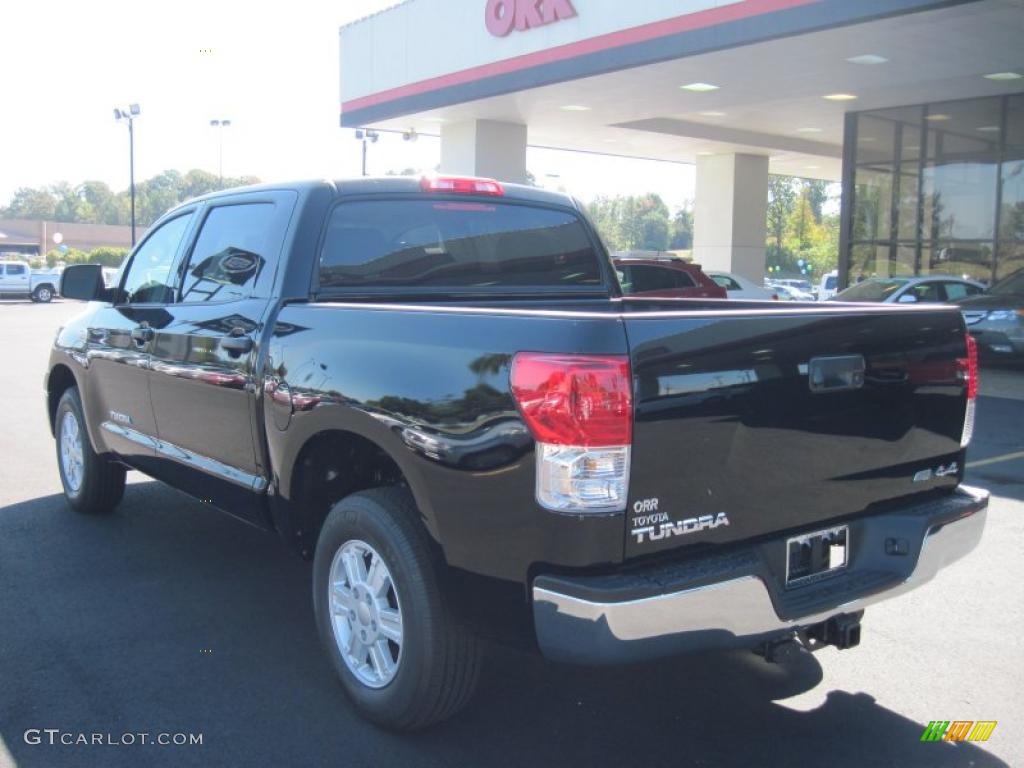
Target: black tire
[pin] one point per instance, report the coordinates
(43, 294)
(440, 659)
(102, 481)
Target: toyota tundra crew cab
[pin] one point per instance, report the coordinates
(436, 390)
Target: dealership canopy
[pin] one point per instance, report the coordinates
(739, 88)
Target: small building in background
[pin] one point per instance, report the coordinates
(33, 238)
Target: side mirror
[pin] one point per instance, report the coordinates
(82, 281)
(907, 298)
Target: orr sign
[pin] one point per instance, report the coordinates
(502, 16)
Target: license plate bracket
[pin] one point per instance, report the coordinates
(819, 555)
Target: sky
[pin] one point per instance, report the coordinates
(269, 67)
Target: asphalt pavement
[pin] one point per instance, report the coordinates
(170, 618)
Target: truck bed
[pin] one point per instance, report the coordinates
(725, 419)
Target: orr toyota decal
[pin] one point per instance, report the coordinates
(502, 16)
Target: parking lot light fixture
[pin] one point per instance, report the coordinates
(367, 135)
(129, 115)
(220, 125)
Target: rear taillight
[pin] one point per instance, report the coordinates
(462, 185)
(967, 368)
(579, 409)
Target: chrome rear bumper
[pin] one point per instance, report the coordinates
(575, 623)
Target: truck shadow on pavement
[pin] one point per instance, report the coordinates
(170, 617)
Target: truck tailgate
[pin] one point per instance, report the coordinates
(787, 418)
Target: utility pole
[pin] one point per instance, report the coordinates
(130, 114)
(220, 125)
(368, 135)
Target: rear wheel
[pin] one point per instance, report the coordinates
(43, 294)
(403, 657)
(92, 483)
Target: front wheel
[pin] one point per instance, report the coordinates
(403, 657)
(43, 294)
(92, 483)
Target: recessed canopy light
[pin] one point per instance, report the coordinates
(839, 96)
(867, 58)
(811, 167)
(988, 128)
(699, 87)
(1003, 76)
(808, 129)
(938, 117)
(575, 108)
(711, 113)
(705, 154)
(433, 119)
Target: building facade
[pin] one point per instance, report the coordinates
(935, 188)
(32, 238)
(914, 105)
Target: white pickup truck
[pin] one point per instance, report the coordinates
(18, 279)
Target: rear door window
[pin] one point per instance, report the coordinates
(230, 253)
(438, 244)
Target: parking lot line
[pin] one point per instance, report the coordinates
(996, 459)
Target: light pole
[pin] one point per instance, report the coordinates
(130, 114)
(367, 135)
(220, 125)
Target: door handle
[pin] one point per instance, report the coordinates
(236, 345)
(142, 334)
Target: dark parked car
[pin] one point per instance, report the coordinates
(436, 391)
(996, 319)
(666, 278)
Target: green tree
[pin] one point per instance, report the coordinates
(107, 256)
(93, 202)
(103, 202)
(781, 202)
(682, 230)
(632, 222)
(817, 196)
(198, 182)
(31, 203)
(801, 225)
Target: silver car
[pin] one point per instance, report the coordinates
(936, 289)
(996, 319)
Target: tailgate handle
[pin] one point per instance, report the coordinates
(836, 374)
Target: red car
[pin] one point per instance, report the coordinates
(666, 278)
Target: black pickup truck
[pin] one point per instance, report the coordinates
(436, 390)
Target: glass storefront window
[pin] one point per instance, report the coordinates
(962, 199)
(937, 189)
(1011, 214)
(1011, 259)
(874, 204)
(972, 260)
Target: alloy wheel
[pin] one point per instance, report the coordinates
(71, 458)
(366, 615)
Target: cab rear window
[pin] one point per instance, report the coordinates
(438, 244)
